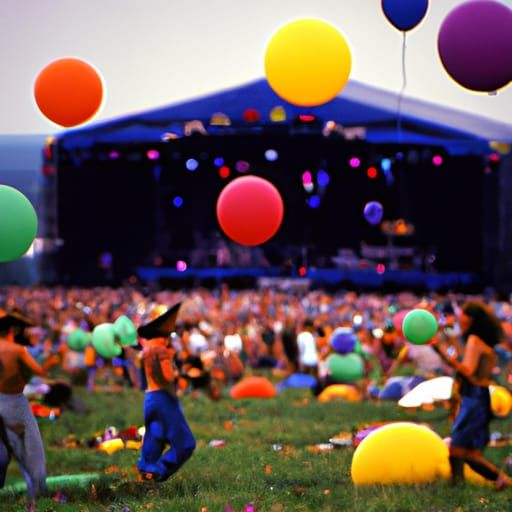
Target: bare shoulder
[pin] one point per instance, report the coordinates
(478, 343)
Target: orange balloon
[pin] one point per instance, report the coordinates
(253, 387)
(68, 91)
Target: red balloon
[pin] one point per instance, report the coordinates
(68, 91)
(250, 210)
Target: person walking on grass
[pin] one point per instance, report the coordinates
(19, 434)
(165, 424)
(470, 431)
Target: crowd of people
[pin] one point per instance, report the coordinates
(220, 336)
(230, 332)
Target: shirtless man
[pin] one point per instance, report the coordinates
(19, 433)
(163, 418)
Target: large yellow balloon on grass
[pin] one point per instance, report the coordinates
(403, 453)
(308, 62)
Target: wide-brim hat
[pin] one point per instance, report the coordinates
(15, 319)
(162, 326)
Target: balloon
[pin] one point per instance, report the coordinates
(250, 210)
(79, 339)
(403, 453)
(398, 319)
(68, 91)
(475, 45)
(346, 368)
(297, 380)
(419, 326)
(343, 340)
(501, 401)
(253, 387)
(373, 212)
(344, 391)
(103, 341)
(126, 331)
(404, 14)
(308, 62)
(18, 224)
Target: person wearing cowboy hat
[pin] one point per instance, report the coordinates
(19, 436)
(163, 418)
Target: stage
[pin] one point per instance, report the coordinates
(314, 278)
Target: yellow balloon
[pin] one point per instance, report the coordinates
(501, 401)
(308, 62)
(344, 391)
(403, 453)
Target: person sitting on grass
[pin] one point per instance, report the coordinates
(163, 418)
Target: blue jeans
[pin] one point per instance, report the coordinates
(165, 425)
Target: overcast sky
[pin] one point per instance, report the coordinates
(157, 52)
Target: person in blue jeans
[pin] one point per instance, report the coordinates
(166, 426)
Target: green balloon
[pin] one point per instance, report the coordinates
(345, 368)
(79, 339)
(419, 326)
(103, 341)
(18, 224)
(126, 331)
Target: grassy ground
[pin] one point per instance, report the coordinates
(247, 469)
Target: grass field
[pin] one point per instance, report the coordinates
(248, 469)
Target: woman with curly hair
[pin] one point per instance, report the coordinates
(482, 331)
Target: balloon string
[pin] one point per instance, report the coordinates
(402, 90)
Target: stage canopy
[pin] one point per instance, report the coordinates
(359, 105)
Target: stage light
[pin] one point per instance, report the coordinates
(114, 155)
(322, 178)
(177, 202)
(307, 178)
(381, 268)
(181, 266)
(271, 155)
(308, 187)
(372, 172)
(278, 114)
(354, 162)
(399, 156)
(191, 164)
(242, 166)
(224, 172)
(153, 154)
(303, 271)
(494, 158)
(218, 162)
(437, 160)
(314, 201)
(306, 118)
(220, 119)
(385, 164)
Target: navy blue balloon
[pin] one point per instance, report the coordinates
(404, 14)
(343, 340)
(373, 212)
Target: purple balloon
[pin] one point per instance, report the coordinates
(343, 340)
(475, 45)
(373, 212)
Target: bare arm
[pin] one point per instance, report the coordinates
(30, 363)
